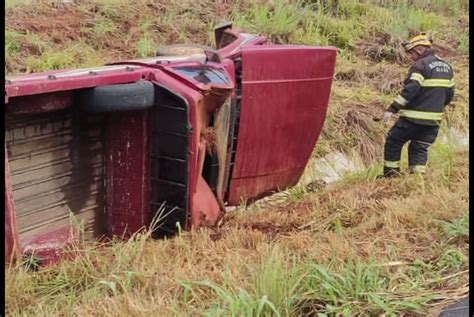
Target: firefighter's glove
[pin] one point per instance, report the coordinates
(387, 115)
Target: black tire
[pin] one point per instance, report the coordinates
(115, 98)
(182, 49)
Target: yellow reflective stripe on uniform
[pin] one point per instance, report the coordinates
(392, 164)
(400, 100)
(418, 169)
(418, 77)
(421, 115)
(447, 83)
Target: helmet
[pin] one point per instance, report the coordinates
(421, 39)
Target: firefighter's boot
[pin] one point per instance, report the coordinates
(417, 169)
(389, 172)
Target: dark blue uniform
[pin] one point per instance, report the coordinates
(428, 88)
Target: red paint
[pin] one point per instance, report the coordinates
(127, 172)
(41, 102)
(12, 248)
(283, 108)
(205, 211)
(229, 66)
(50, 247)
(40, 84)
(245, 190)
(285, 92)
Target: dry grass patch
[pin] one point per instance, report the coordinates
(382, 47)
(399, 239)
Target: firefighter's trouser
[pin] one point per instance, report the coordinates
(420, 137)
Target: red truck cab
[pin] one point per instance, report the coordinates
(176, 137)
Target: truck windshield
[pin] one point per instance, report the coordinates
(204, 75)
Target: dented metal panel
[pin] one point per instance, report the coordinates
(57, 168)
(285, 93)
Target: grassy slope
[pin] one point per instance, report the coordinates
(358, 246)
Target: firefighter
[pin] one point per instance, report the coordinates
(428, 88)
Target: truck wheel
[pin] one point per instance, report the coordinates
(182, 49)
(121, 97)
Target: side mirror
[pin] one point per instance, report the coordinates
(219, 31)
(212, 56)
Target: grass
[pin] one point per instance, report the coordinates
(16, 42)
(276, 20)
(12, 3)
(12, 44)
(410, 21)
(458, 228)
(299, 22)
(360, 285)
(103, 27)
(463, 45)
(308, 34)
(71, 56)
(274, 290)
(357, 247)
(146, 47)
(354, 247)
(309, 288)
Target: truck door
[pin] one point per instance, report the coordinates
(281, 107)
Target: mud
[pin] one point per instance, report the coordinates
(60, 24)
(271, 230)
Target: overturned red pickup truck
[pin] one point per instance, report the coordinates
(190, 133)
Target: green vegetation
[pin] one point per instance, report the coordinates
(71, 54)
(12, 3)
(463, 45)
(145, 47)
(354, 247)
(458, 228)
(112, 24)
(414, 20)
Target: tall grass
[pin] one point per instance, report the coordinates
(146, 47)
(274, 290)
(463, 45)
(342, 24)
(307, 288)
(12, 44)
(103, 27)
(73, 55)
(276, 19)
(356, 248)
(12, 3)
(359, 288)
(445, 7)
(408, 21)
